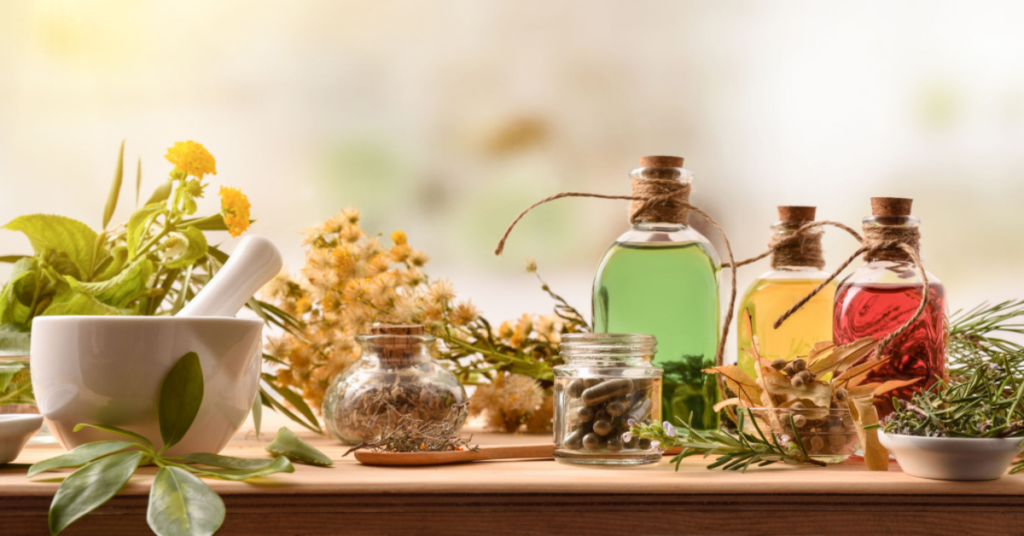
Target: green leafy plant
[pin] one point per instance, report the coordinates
(987, 403)
(180, 503)
(15, 384)
(150, 265)
(735, 451)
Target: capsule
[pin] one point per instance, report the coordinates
(607, 390)
(592, 441)
(614, 443)
(615, 408)
(574, 441)
(640, 410)
(602, 427)
(585, 414)
(575, 388)
(590, 382)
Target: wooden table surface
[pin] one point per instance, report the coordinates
(545, 497)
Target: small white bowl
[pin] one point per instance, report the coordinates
(952, 458)
(15, 430)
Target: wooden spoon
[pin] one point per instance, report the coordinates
(458, 456)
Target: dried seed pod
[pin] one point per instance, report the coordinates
(817, 443)
(842, 395)
(805, 375)
(799, 364)
(799, 420)
(788, 369)
(779, 364)
(797, 382)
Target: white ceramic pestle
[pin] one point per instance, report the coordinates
(254, 262)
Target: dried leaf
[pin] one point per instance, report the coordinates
(730, 402)
(818, 393)
(839, 358)
(877, 389)
(855, 375)
(745, 387)
(863, 411)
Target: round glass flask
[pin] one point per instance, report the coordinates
(395, 372)
(607, 381)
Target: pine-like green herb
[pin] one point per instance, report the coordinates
(734, 451)
(980, 336)
(986, 404)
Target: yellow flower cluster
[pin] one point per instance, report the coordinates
(349, 282)
(192, 158)
(235, 207)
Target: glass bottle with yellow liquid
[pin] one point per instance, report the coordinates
(796, 271)
(661, 278)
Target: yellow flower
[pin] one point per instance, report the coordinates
(418, 258)
(399, 238)
(235, 207)
(464, 313)
(192, 158)
(531, 265)
(441, 292)
(351, 214)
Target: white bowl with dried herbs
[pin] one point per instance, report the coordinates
(967, 430)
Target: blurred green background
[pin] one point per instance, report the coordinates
(446, 118)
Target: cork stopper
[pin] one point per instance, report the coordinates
(661, 161)
(796, 213)
(398, 343)
(397, 329)
(890, 206)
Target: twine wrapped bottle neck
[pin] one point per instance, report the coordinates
(657, 200)
(797, 249)
(890, 242)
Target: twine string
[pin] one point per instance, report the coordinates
(899, 244)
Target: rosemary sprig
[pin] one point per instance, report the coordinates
(978, 336)
(735, 451)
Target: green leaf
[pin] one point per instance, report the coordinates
(119, 431)
(80, 456)
(12, 310)
(63, 235)
(181, 395)
(268, 467)
(10, 259)
(228, 462)
(72, 303)
(138, 226)
(115, 189)
(161, 193)
(213, 222)
(257, 414)
(89, 487)
(120, 290)
(282, 409)
(195, 248)
(138, 182)
(118, 260)
(293, 398)
(182, 505)
(287, 444)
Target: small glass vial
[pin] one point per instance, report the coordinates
(881, 296)
(607, 381)
(394, 371)
(794, 274)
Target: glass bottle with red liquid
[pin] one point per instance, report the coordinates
(881, 296)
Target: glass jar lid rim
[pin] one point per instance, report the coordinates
(382, 338)
(607, 344)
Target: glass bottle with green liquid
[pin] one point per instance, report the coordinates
(661, 278)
